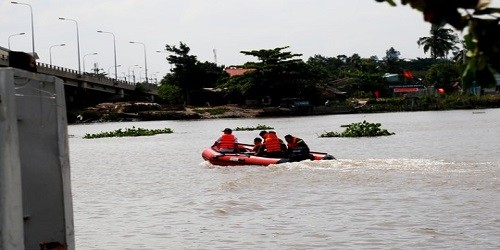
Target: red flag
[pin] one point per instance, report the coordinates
(407, 74)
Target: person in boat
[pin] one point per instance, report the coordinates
(272, 145)
(227, 142)
(257, 143)
(264, 133)
(297, 148)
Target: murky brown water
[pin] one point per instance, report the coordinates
(433, 185)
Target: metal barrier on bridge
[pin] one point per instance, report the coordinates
(90, 81)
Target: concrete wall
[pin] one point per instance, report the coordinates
(34, 128)
(11, 216)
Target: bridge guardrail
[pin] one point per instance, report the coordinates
(67, 73)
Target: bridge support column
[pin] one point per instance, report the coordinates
(35, 183)
(83, 85)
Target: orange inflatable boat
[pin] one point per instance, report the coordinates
(245, 156)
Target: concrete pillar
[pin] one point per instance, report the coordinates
(11, 208)
(39, 151)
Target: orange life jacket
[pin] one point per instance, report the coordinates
(227, 141)
(272, 143)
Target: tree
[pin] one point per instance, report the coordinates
(326, 67)
(392, 60)
(392, 54)
(277, 74)
(482, 41)
(439, 43)
(170, 93)
(443, 75)
(188, 74)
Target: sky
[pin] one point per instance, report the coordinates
(215, 30)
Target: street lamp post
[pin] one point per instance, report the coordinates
(32, 27)
(155, 77)
(114, 50)
(140, 75)
(50, 50)
(91, 54)
(18, 34)
(164, 51)
(145, 60)
(109, 69)
(129, 70)
(133, 73)
(77, 39)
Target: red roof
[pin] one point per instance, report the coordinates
(237, 71)
(405, 90)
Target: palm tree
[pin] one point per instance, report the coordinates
(439, 43)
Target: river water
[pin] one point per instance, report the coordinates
(432, 185)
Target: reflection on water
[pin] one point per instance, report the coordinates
(432, 185)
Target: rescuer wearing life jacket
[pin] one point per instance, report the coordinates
(297, 148)
(272, 146)
(227, 142)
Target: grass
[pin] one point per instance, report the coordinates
(258, 127)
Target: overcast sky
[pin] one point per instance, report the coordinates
(309, 27)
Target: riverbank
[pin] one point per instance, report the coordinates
(143, 111)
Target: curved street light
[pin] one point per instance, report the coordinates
(32, 27)
(116, 66)
(114, 49)
(91, 54)
(145, 60)
(166, 52)
(50, 50)
(18, 34)
(77, 39)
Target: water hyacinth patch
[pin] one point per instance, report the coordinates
(129, 132)
(258, 127)
(359, 129)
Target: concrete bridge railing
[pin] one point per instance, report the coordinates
(109, 87)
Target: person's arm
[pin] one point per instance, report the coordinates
(303, 144)
(217, 142)
(261, 150)
(236, 146)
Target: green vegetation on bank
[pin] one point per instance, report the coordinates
(258, 127)
(481, 39)
(431, 103)
(279, 74)
(466, 64)
(359, 129)
(129, 132)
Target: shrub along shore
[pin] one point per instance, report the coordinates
(142, 111)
